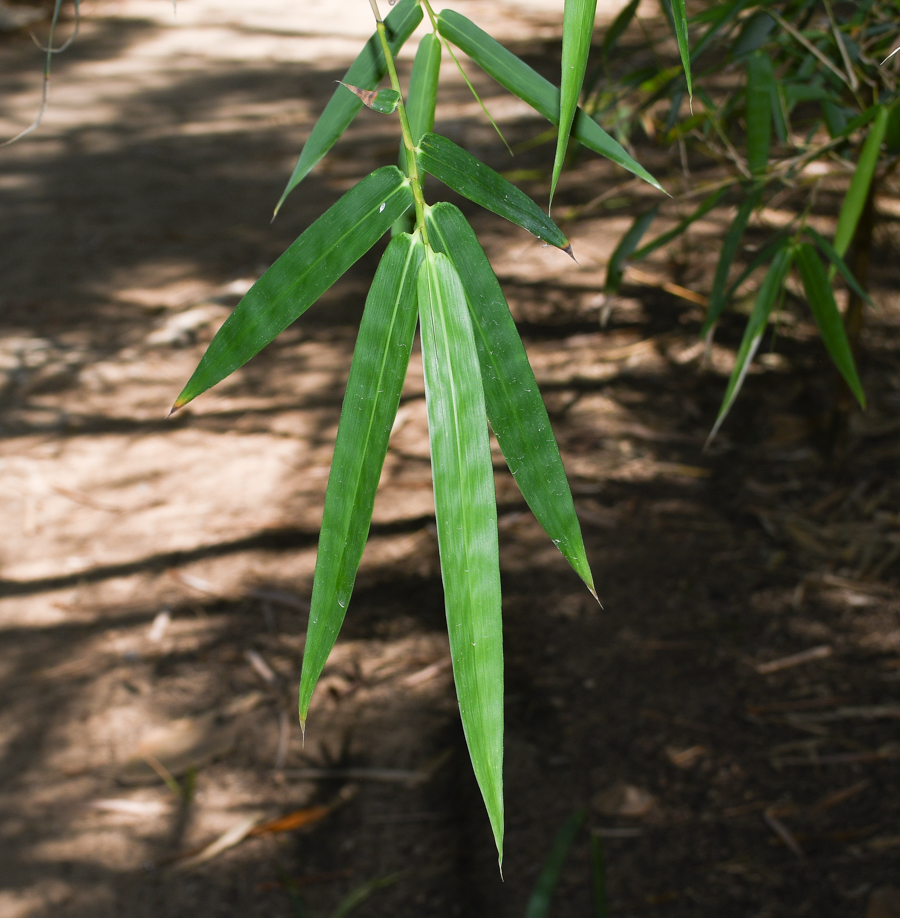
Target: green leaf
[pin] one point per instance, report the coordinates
(627, 244)
(420, 104)
(704, 208)
(423, 86)
(858, 191)
(377, 371)
(522, 81)
(466, 515)
(720, 16)
(366, 71)
(383, 101)
(468, 176)
(598, 876)
(515, 408)
(766, 253)
(730, 245)
(539, 903)
(313, 262)
(618, 27)
(831, 326)
(679, 20)
(578, 28)
(837, 262)
(768, 295)
(760, 83)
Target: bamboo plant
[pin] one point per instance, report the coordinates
(433, 274)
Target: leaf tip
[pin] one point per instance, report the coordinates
(570, 253)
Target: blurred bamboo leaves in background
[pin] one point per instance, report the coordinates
(817, 101)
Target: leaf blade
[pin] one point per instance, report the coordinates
(516, 411)
(824, 309)
(311, 264)
(466, 515)
(468, 176)
(379, 365)
(527, 84)
(366, 72)
(765, 301)
(679, 20)
(760, 84)
(578, 28)
(615, 270)
(730, 245)
(855, 199)
(539, 902)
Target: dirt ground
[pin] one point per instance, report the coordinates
(727, 722)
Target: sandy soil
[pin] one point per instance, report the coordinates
(155, 573)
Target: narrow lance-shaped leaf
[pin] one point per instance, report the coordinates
(827, 249)
(727, 254)
(615, 270)
(515, 408)
(768, 295)
(470, 177)
(618, 27)
(466, 516)
(831, 326)
(365, 72)
(523, 81)
(702, 210)
(421, 98)
(858, 191)
(539, 902)
(312, 263)
(760, 81)
(578, 28)
(383, 101)
(377, 372)
(679, 20)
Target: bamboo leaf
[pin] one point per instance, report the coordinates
(423, 86)
(539, 903)
(383, 101)
(522, 81)
(760, 83)
(618, 27)
(768, 295)
(366, 72)
(837, 262)
(704, 208)
(313, 262)
(730, 245)
(420, 105)
(831, 326)
(468, 176)
(858, 191)
(720, 16)
(578, 28)
(679, 20)
(623, 251)
(377, 371)
(766, 253)
(515, 408)
(466, 514)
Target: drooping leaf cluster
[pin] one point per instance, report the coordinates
(434, 275)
